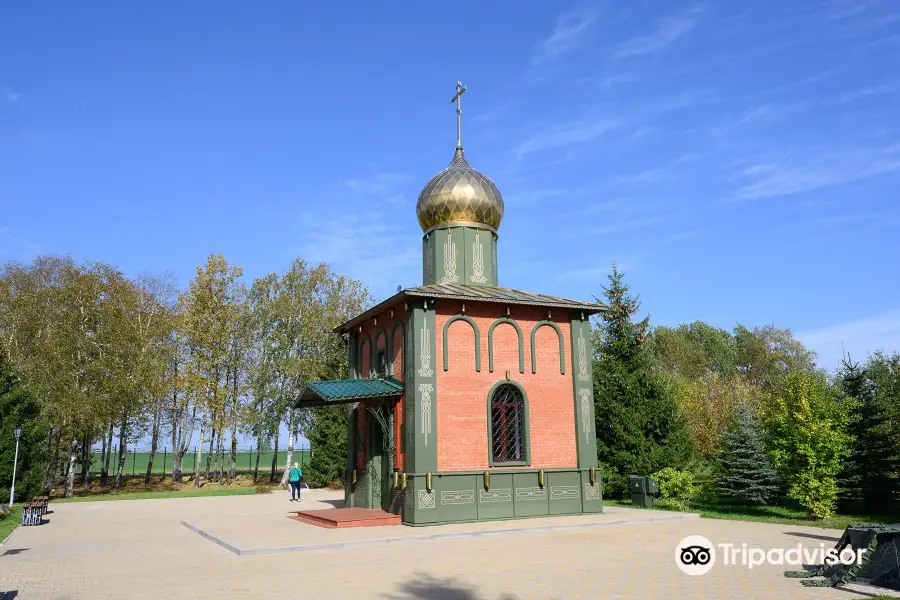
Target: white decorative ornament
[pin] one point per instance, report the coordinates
(478, 261)
(585, 413)
(591, 492)
(450, 275)
(425, 352)
(426, 499)
(583, 372)
(425, 390)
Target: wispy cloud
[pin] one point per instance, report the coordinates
(629, 225)
(667, 32)
(771, 179)
(866, 92)
(365, 245)
(858, 337)
(848, 218)
(572, 31)
(379, 184)
(11, 96)
(567, 134)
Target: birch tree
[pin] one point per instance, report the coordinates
(208, 321)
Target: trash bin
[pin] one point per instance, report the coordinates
(642, 490)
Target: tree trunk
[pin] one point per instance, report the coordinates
(275, 457)
(176, 456)
(212, 446)
(292, 432)
(217, 470)
(86, 462)
(256, 466)
(232, 472)
(70, 472)
(123, 437)
(104, 480)
(199, 451)
(54, 460)
(103, 474)
(154, 441)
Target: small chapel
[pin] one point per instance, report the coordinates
(467, 401)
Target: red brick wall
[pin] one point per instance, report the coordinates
(462, 428)
(367, 356)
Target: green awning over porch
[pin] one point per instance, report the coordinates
(343, 391)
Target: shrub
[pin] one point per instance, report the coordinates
(615, 486)
(810, 441)
(334, 485)
(263, 489)
(676, 488)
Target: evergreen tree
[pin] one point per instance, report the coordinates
(639, 426)
(18, 408)
(327, 434)
(870, 472)
(745, 471)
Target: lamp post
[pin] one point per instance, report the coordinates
(12, 490)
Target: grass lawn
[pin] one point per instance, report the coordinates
(161, 487)
(771, 514)
(136, 462)
(9, 523)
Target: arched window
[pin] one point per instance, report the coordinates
(509, 424)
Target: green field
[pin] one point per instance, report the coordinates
(136, 462)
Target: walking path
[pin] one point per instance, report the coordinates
(140, 549)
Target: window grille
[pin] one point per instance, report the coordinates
(508, 425)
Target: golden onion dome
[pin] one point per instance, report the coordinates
(459, 194)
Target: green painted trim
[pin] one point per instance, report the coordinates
(515, 518)
(562, 350)
(491, 343)
(502, 471)
(459, 497)
(364, 339)
(392, 340)
(585, 420)
(421, 389)
(449, 322)
(527, 449)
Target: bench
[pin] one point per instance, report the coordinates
(43, 501)
(31, 514)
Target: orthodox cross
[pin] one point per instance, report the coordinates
(460, 90)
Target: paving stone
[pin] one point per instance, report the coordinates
(139, 549)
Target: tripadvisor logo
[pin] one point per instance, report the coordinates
(696, 555)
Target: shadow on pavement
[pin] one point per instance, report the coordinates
(13, 551)
(426, 587)
(813, 536)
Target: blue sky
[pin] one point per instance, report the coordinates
(740, 160)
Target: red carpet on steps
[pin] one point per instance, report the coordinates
(333, 518)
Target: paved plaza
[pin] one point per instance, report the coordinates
(154, 549)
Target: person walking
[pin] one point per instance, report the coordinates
(295, 476)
